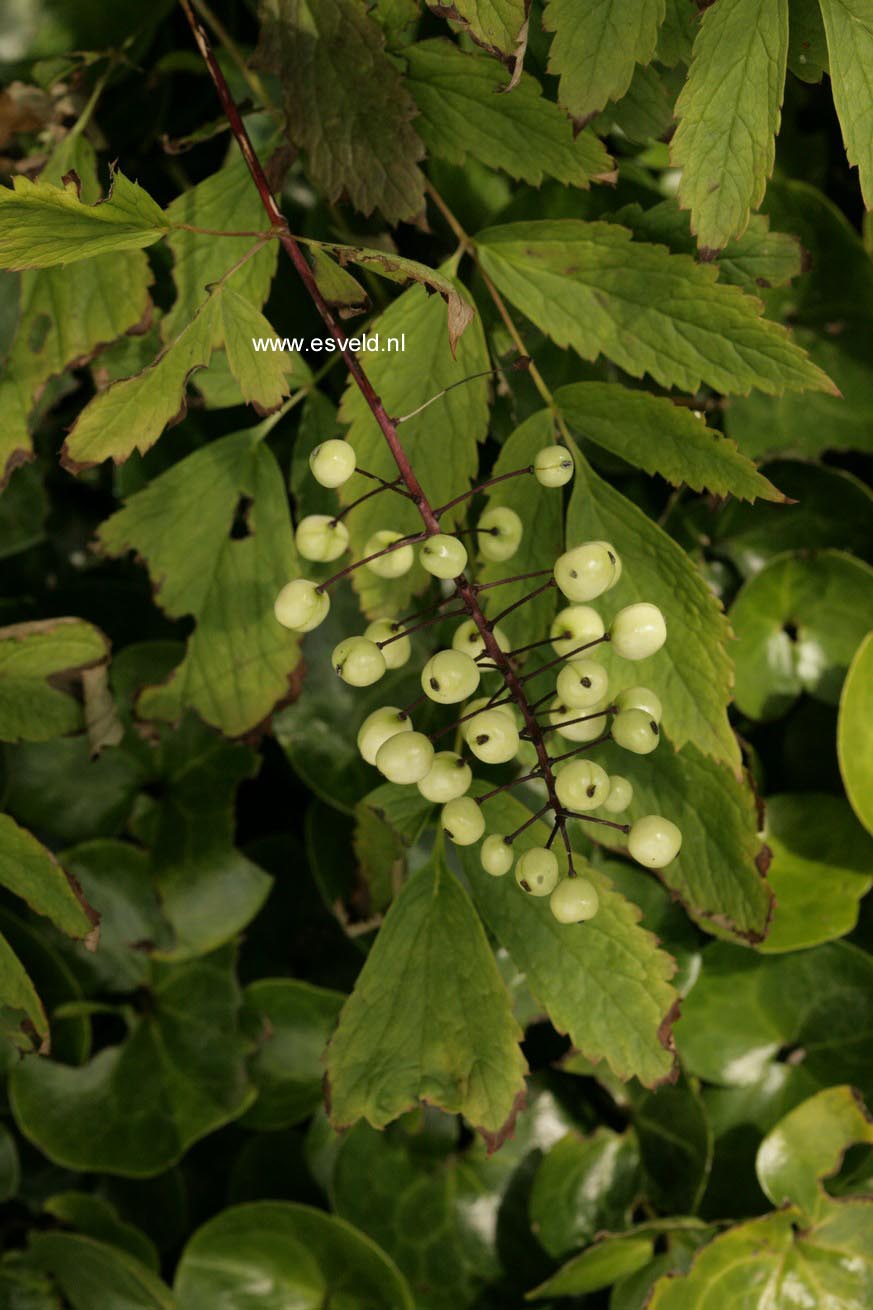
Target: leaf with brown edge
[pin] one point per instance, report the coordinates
(41, 664)
(498, 26)
(429, 1018)
(30, 871)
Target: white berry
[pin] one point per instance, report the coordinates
(398, 649)
(582, 785)
(635, 731)
(332, 463)
(640, 698)
(586, 571)
(638, 631)
(499, 533)
(320, 537)
(358, 661)
(443, 556)
(621, 793)
(574, 900)
(578, 725)
(396, 562)
(497, 855)
(463, 821)
(405, 758)
(468, 639)
(300, 606)
(582, 683)
(575, 626)
(492, 737)
(553, 466)
(378, 727)
(536, 872)
(448, 778)
(654, 841)
(449, 677)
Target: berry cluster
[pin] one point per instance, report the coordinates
(505, 724)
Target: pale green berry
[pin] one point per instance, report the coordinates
(621, 793)
(582, 683)
(320, 537)
(449, 777)
(300, 606)
(468, 639)
(398, 650)
(463, 821)
(536, 871)
(582, 785)
(575, 626)
(378, 727)
(638, 631)
(553, 466)
(574, 900)
(449, 676)
(654, 841)
(499, 533)
(396, 562)
(492, 737)
(640, 698)
(332, 463)
(405, 757)
(636, 731)
(443, 556)
(586, 571)
(615, 555)
(358, 661)
(497, 855)
(484, 702)
(592, 724)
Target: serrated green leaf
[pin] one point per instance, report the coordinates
(849, 30)
(729, 112)
(589, 286)
(387, 821)
(583, 1186)
(29, 870)
(660, 437)
(277, 1255)
(31, 707)
(429, 1018)
(676, 36)
(22, 1015)
(524, 134)
(798, 623)
(296, 1021)
(42, 225)
(134, 1109)
(645, 111)
(605, 984)
(692, 672)
(596, 46)
(239, 659)
(441, 442)
(363, 143)
(96, 1276)
(854, 738)
(499, 26)
(131, 414)
(807, 43)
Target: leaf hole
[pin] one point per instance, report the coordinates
(239, 528)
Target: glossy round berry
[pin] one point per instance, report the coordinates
(586, 571)
(378, 727)
(468, 639)
(449, 676)
(497, 855)
(574, 900)
(396, 562)
(358, 661)
(615, 556)
(405, 757)
(553, 466)
(654, 841)
(449, 777)
(398, 649)
(332, 463)
(320, 537)
(536, 872)
(499, 533)
(582, 785)
(443, 556)
(636, 731)
(582, 683)
(300, 606)
(638, 631)
(463, 821)
(492, 737)
(578, 725)
(621, 793)
(640, 698)
(575, 626)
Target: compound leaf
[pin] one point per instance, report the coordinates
(499, 26)
(596, 47)
(849, 30)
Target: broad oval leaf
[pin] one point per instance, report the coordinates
(95, 1276)
(855, 733)
(296, 1020)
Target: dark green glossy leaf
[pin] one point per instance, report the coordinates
(582, 1186)
(296, 1021)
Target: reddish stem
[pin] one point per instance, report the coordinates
(474, 491)
(377, 554)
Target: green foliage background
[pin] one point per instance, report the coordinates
(260, 1033)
